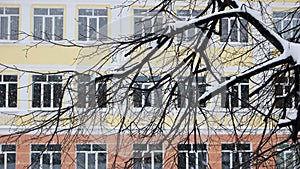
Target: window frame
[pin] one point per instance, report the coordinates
(9, 25)
(91, 151)
(229, 94)
(226, 36)
(11, 85)
(88, 27)
(45, 81)
(5, 153)
(44, 149)
(54, 36)
(144, 17)
(285, 84)
(193, 148)
(139, 154)
(236, 149)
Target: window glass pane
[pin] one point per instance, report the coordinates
(99, 147)
(244, 30)
(80, 161)
(82, 28)
(93, 28)
(58, 30)
(202, 164)
(48, 28)
(12, 95)
(147, 161)
(8, 147)
(11, 160)
(47, 95)
(181, 160)
(225, 160)
(137, 27)
(38, 147)
(54, 147)
(86, 12)
(140, 147)
(2, 161)
(35, 160)
(2, 95)
(102, 95)
(91, 161)
(158, 160)
(246, 160)
(57, 95)
(100, 12)
(234, 96)
(103, 28)
(192, 160)
(245, 95)
(155, 147)
(137, 96)
(224, 29)
(4, 27)
(14, 27)
(12, 11)
(46, 161)
(83, 147)
(56, 11)
(36, 98)
(56, 160)
(40, 11)
(38, 28)
(234, 30)
(102, 160)
(1, 10)
(228, 146)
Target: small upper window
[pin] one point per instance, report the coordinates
(234, 30)
(48, 24)
(146, 22)
(92, 24)
(9, 23)
(288, 24)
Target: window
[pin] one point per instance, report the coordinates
(143, 93)
(288, 24)
(9, 23)
(46, 90)
(189, 92)
(192, 156)
(90, 93)
(287, 157)
(45, 157)
(234, 30)
(185, 14)
(92, 24)
(282, 88)
(236, 156)
(91, 156)
(8, 156)
(147, 156)
(146, 22)
(237, 95)
(48, 23)
(8, 90)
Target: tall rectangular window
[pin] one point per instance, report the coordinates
(234, 30)
(45, 156)
(236, 156)
(192, 156)
(46, 90)
(189, 92)
(186, 14)
(145, 93)
(287, 157)
(287, 23)
(91, 156)
(282, 89)
(146, 22)
(9, 23)
(237, 95)
(147, 156)
(92, 24)
(8, 90)
(8, 156)
(48, 23)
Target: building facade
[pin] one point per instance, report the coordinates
(44, 43)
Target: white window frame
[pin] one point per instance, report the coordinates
(10, 32)
(154, 17)
(228, 94)
(191, 92)
(92, 151)
(5, 153)
(185, 15)
(55, 21)
(8, 84)
(285, 21)
(235, 150)
(101, 33)
(43, 152)
(285, 151)
(193, 151)
(143, 152)
(227, 36)
(42, 84)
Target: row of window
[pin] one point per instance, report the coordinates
(48, 24)
(47, 92)
(145, 156)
